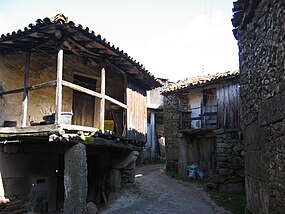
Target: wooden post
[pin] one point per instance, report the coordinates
(102, 104)
(180, 114)
(59, 71)
(202, 108)
(25, 92)
(125, 119)
(153, 138)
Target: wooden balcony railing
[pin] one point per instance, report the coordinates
(197, 118)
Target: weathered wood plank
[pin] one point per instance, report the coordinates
(93, 93)
(25, 90)
(30, 88)
(226, 104)
(202, 107)
(45, 128)
(29, 129)
(77, 128)
(81, 47)
(81, 89)
(136, 115)
(112, 100)
(58, 101)
(102, 104)
(221, 105)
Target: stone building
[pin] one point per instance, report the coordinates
(202, 127)
(259, 28)
(73, 117)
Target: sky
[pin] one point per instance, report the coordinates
(173, 39)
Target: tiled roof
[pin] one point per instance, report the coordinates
(198, 81)
(85, 40)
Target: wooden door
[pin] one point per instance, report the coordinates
(83, 104)
(202, 151)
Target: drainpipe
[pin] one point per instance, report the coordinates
(153, 140)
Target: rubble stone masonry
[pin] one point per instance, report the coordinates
(171, 127)
(262, 69)
(229, 173)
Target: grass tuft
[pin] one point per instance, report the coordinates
(234, 202)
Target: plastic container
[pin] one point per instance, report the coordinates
(109, 125)
(66, 117)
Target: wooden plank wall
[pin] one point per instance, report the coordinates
(228, 105)
(201, 151)
(136, 115)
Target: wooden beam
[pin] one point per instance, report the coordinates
(81, 89)
(112, 100)
(12, 131)
(112, 65)
(42, 85)
(125, 119)
(81, 47)
(202, 107)
(138, 76)
(30, 88)
(25, 92)
(78, 128)
(48, 129)
(69, 47)
(102, 104)
(97, 49)
(58, 100)
(92, 93)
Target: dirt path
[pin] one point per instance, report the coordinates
(156, 193)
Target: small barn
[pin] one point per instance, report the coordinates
(73, 117)
(202, 127)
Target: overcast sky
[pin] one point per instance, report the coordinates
(173, 39)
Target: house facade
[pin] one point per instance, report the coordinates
(73, 116)
(202, 127)
(259, 29)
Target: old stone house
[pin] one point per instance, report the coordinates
(259, 28)
(202, 127)
(73, 117)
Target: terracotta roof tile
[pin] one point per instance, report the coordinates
(62, 21)
(198, 81)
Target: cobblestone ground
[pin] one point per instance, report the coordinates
(154, 192)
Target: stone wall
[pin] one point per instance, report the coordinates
(171, 127)
(229, 173)
(262, 60)
(40, 102)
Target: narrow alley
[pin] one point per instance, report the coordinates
(155, 192)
